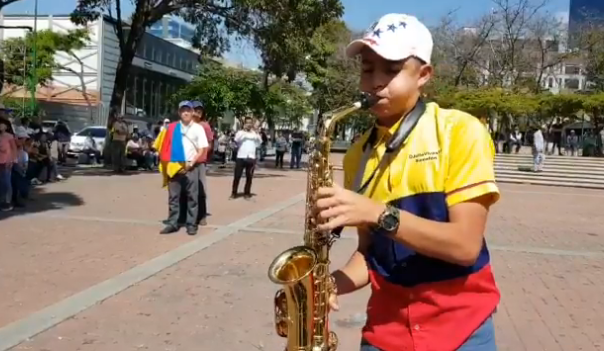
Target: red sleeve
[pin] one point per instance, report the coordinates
(209, 133)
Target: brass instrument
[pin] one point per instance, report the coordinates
(301, 307)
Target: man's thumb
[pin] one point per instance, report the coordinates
(333, 303)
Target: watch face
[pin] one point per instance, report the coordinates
(390, 221)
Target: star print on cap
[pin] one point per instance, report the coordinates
(396, 37)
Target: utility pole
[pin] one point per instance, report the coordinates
(34, 74)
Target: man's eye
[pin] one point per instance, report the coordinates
(394, 69)
(367, 70)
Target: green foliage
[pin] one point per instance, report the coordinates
(241, 92)
(484, 103)
(20, 108)
(284, 31)
(281, 30)
(18, 59)
(4, 3)
(333, 76)
(594, 105)
(592, 46)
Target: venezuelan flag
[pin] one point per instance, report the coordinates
(171, 151)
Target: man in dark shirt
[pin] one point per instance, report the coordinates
(297, 142)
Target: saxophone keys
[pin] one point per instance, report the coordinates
(332, 342)
(281, 317)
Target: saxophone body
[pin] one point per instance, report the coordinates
(301, 306)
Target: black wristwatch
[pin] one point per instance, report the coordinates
(389, 220)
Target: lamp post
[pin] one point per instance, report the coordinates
(34, 70)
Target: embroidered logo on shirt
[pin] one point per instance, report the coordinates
(425, 156)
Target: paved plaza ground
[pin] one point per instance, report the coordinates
(83, 268)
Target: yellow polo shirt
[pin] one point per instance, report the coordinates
(420, 302)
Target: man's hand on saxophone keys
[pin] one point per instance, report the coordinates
(340, 207)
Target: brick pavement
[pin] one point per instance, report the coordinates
(53, 250)
(547, 256)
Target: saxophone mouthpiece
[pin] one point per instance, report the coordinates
(368, 100)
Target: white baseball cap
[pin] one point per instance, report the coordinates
(395, 37)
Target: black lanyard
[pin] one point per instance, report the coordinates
(394, 144)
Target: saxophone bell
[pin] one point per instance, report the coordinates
(293, 269)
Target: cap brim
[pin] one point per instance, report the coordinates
(356, 46)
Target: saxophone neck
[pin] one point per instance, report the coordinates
(330, 119)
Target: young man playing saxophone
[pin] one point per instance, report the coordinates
(422, 209)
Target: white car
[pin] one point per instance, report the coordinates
(98, 134)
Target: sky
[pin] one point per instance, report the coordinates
(358, 14)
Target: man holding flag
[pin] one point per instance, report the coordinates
(181, 145)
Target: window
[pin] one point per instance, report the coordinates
(148, 52)
(572, 83)
(571, 69)
(98, 132)
(550, 82)
(84, 132)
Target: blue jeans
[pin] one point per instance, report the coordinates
(483, 339)
(20, 183)
(296, 156)
(5, 184)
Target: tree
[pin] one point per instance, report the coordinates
(456, 49)
(271, 24)
(283, 33)
(212, 15)
(212, 86)
(333, 76)
(546, 33)
(18, 60)
(591, 45)
(242, 93)
(4, 3)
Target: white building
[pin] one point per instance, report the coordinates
(80, 91)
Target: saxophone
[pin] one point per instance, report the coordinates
(301, 307)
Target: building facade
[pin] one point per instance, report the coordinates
(173, 30)
(81, 87)
(583, 11)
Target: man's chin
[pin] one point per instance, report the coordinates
(381, 111)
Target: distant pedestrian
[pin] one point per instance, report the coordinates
(572, 143)
(280, 149)
(119, 134)
(248, 141)
(297, 145)
(539, 149)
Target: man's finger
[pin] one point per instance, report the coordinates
(326, 192)
(326, 202)
(334, 223)
(332, 212)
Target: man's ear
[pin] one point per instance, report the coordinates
(425, 74)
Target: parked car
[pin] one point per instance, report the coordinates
(98, 134)
(48, 125)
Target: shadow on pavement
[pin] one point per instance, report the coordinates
(97, 171)
(41, 201)
(228, 172)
